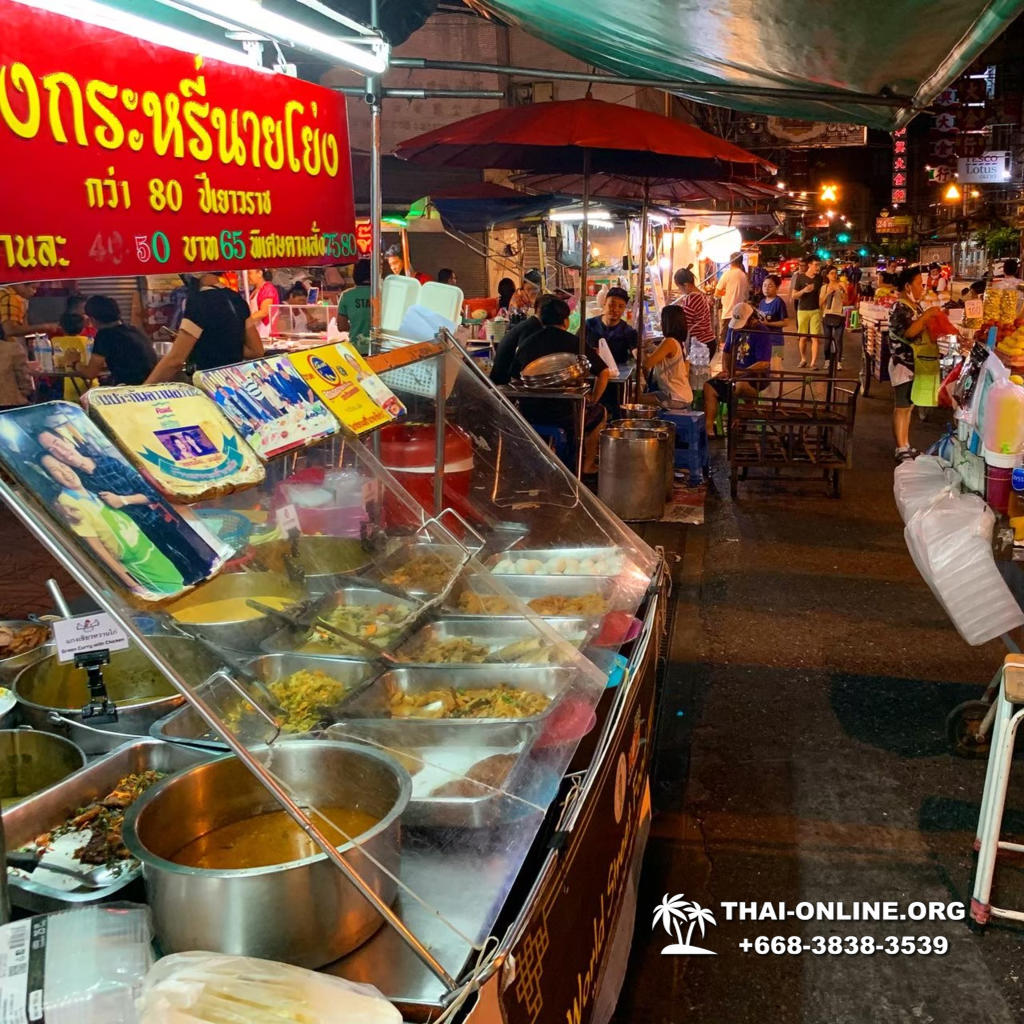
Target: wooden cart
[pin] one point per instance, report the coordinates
(803, 421)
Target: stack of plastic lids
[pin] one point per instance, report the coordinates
(919, 482)
(950, 542)
(83, 966)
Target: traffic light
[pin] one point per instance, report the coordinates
(799, 233)
(824, 254)
(842, 238)
(862, 252)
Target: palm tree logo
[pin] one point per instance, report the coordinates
(671, 912)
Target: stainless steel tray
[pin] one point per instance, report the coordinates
(374, 702)
(613, 562)
(496, 633)
(187, 726)
(451, 553)
(438, 752)
(527, 588)
(53, 806)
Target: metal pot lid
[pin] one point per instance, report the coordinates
(555, 362)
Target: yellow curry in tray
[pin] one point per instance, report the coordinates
(227, 609)
(500, 701)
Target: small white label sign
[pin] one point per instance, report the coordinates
(96, 632)
(288, 520)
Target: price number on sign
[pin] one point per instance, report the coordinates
(231, 245)
(107, 248)
(155, 246)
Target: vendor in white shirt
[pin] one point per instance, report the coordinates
(733, 287)
(1011, 277)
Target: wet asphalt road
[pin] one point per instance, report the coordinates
(802, 756)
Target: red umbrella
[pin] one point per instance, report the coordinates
(551, 137)
(663, 191)
(581, 136)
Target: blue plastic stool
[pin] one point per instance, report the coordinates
(554, 437)
(691, 442)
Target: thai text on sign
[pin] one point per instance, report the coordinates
(122, 157)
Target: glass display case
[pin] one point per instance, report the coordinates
(405, 635)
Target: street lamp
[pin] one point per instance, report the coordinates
(952, 194)
(829, 194)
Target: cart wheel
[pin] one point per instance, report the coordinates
(962, 729)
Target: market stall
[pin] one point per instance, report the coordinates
(369, 686)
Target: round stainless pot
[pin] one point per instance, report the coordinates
(303, 912)
(242, 634)
(48, 688)
(31, 761)
(324, 562)
(670, 463)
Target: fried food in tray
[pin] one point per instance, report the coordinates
(104, 820)
(500, 701)
(460, 650)
(303, 696)
(378, 624)
(429, 573)
(19, 639)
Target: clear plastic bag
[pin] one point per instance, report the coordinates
(212, 988)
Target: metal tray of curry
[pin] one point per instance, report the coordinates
(425, 699)
(380, 618)
(307, 690)
(457, 641)
(419, 567)
(44, 891)
(460, 778)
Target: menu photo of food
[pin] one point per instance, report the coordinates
(178, 438)
(347, 386)
(270, 404)
(97, 496)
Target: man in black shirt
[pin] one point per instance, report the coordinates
(216, 330)
(806, 295)
(504, 354)
(558, 412)
(119, 349)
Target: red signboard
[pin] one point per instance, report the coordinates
(364, 237)
(124, 158)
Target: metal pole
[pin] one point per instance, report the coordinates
(425, 94)
(102, 595)
(668, 85)
(584, 253)
(440, 362)
(373, 97)
(642, 288)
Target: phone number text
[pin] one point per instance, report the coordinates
(850, 945)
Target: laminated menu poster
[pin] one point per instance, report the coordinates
(98, 497)
(348, 387)
(274, 409)
(183, 444)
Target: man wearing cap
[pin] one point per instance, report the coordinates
(733, 286)
(746, 359)
(216, 330)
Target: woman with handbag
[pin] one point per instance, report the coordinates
(908, 340)
(832, 300)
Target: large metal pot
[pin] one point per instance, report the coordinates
(631, 478)
(31, 761)
(246, 631)
(303, 912)
(670, 479)
(51, 695)
(324, 562)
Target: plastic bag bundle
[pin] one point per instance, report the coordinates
(919, 482)
(212, 988)
(950, 542)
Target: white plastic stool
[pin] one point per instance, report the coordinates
(1009, 711)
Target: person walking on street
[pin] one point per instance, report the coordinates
(806, 289)
(733, 288)
(832, 299)
(694, 304)
(907, 324)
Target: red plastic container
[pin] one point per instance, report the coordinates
(997, 487)
(407, 450)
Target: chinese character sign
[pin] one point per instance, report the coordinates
(122, 157)
(899, 167)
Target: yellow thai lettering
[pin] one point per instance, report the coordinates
(200, 146)
(20, 80)
(291, 108)
(25, 251)
(54, 84)
(205, 193)
(94, 191)
(168, 135)
(251, 123)
(273, 143)
(8, 243)
(230, 147)
(111, 134)
(312, 158)
(330, 148)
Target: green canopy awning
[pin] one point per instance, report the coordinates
(816, 58)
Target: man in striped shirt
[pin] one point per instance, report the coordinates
(694, 305)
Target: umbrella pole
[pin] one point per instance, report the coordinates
(641, 288)
(584, 251)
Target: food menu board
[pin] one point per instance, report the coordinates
(348, 387)
(154, 550)
(269, 403)
(181, 442)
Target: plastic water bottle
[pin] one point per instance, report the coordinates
(43, 348)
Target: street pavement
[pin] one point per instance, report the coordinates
(802, 757)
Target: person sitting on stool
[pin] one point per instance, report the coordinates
(555, 337)
(746, 359)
